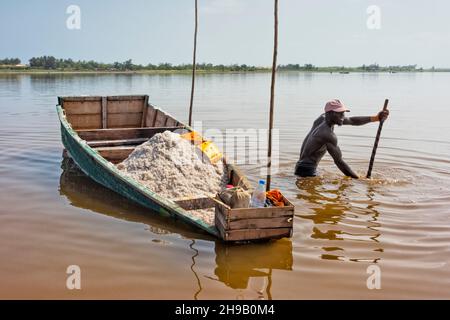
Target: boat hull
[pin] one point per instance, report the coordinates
(106, 174)
(100, 132)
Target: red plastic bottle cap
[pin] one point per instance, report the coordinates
(229, 186)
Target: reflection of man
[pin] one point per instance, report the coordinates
(321, 138)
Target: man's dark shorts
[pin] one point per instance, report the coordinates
(305, 171)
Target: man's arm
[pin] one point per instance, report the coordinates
(359, 121)
(336, 153)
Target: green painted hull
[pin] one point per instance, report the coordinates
(106, 173)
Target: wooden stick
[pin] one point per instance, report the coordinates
(272, 93)
(377, 138)
(104, 113)
(144, 111)
(193, 65)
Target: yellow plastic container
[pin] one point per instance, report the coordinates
(208, 148)
(211, 151)
(193, 136)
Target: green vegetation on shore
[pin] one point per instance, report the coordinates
(364, 68)
(50, 64)
(10, 62)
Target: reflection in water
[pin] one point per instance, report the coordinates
(199, 284)
(41, 82)
(236, 265)
(336, 217)
(10, 85)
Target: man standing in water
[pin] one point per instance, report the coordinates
(322, 138)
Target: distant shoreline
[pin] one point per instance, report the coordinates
(189, 72)
(51, 65)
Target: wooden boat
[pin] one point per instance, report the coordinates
(99, 132)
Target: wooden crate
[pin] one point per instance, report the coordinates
(254, 223)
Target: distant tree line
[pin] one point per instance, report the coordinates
(376, 67)
(297, 67)
(10, 61)
(52, 63)
(365, 68)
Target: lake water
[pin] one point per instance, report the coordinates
(51, 218)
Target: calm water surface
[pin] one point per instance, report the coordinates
(51, 216)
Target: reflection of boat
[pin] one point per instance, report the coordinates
(85, 193)
(236, 264)
(99, 132)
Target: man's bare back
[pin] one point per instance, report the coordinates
(321, 138)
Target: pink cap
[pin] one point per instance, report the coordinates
(336, 106)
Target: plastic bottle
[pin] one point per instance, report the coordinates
(259, 195)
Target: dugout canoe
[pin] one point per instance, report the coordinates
(100, 132)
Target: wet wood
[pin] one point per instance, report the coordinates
(195, 203)
(272, 94)
(221, 222)
(253, 223)
(126, 98)
(115, 154)
(377, 139)
(127, 133)
(151, 117)
(160, 119)
(249, 233)
(194, 64)
(85, 121)
(257, 234)
(121, 142)
(63, 100)
(250, 213)
(124, 120)
(82, 108)
(238, 179)
(260, 223)
(124, 107)
(144, 111)
(104, 113)
(171, 122)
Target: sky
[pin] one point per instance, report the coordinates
(324, 33)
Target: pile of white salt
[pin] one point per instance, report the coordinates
(173, 168)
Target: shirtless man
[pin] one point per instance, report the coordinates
(322, 138)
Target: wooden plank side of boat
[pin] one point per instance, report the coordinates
(106, 173)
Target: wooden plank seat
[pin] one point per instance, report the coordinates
(120, 142)
(123, 133)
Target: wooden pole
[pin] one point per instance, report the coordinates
(194, 64)
(272, 93)
(377, 139)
